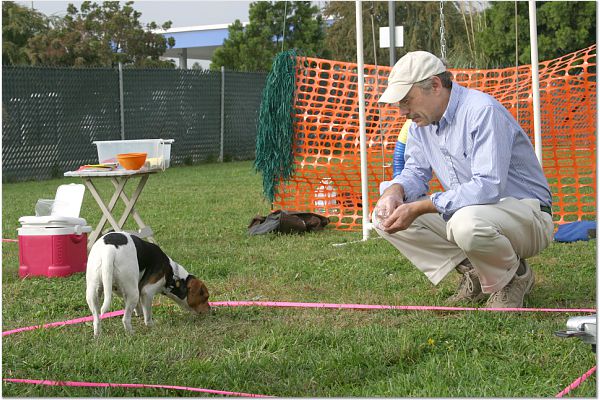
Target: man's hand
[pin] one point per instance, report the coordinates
(403, 214)
(391, 199)
(402, 217)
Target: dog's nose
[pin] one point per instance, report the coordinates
(203, 309)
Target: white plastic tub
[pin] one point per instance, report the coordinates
(158, 151)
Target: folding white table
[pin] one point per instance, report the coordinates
(119, 179)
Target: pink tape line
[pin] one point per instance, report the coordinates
(129, 385)
(312, 305)
(9, 240)
(384, 307)
(577, 382)
(61, 323)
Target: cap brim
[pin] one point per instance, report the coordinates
(394, 93)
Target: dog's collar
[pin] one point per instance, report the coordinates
(175, 271)
(174, 284)
(178, 286)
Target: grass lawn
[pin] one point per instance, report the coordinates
(199, 215)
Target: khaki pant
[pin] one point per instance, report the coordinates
(493, 236)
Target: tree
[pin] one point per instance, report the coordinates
(273, 27)
(19, 24)
(566, 27)
(562, 27)
(197, 66)
(421, 22)
(100, 35)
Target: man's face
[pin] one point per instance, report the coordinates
(421, 106)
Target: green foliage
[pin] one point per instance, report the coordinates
(565, 27)
(421, 21)
(199, 215)
(253, 47)
(562, 27)
(477, 34)
(497, 40)
(87, 37)
(19, 24)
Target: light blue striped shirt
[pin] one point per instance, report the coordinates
(478, 152)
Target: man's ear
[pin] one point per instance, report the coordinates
(436, 84)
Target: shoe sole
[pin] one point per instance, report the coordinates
(477, 299)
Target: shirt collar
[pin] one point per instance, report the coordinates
(455, 95)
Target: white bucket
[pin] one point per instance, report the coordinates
(326, 197)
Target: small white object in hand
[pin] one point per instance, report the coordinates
(382, 215)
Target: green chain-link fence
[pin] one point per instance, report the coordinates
(51, 116)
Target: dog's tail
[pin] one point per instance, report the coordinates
(108, 258)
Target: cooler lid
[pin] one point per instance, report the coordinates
(51, 220)
(68, 199)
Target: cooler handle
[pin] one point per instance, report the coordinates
(79, 229)
(77, 238)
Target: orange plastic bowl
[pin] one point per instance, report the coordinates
(132, 161)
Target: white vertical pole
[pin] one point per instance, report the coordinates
(222, 111)
(121, 100)
(366, 224)
(535, 81)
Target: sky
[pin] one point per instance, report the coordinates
(181, 13)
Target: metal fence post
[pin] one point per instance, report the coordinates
(222, 111)
(121, 101)
(392, 24)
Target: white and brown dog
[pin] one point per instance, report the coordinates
(138, 270)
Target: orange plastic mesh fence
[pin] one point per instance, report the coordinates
(326, 141)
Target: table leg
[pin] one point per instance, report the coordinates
(106, 209)
(145, 230)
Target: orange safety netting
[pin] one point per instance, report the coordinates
(326, 142)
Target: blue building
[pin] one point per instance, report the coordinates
(196, 43)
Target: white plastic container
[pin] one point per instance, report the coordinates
(158, 151)
(326, 197)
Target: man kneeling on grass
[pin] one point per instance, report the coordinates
(495, 210)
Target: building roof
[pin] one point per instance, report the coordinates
(200, 41)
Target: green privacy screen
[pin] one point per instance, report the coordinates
(51, 116)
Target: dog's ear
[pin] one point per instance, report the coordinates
(198, 295)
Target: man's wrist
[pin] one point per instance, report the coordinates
(423, 207)
(395, 189)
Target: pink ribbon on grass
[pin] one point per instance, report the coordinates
(62, 323)
(573, 385)
(313, 305)
(129, 385)
(386, 307)
(577, 382)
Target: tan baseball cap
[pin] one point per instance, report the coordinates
(413, 67)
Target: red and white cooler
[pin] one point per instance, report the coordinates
(55, 245)
(52, 246)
